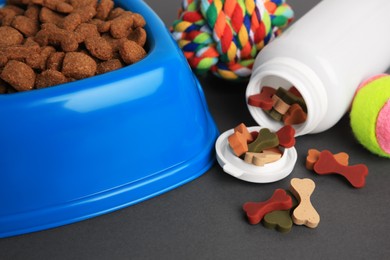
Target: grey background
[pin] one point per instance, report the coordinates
(203, 219)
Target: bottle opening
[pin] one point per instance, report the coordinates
(276, 102)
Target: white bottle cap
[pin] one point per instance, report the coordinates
(240, 169)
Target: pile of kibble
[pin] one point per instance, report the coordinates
(49, 42)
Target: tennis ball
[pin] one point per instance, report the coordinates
(370, 115)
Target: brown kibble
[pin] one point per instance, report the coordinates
(18, 52)
(38, 61)
(107, 66)
(78, 65)
(138, 35)
(3, 59)
(51, 34)
(29, 42)
(115, 13)
(49, 42)
(80, 15)
(99, 48)
(63, 7)
(50, 78)
(54, 62)
(17, 10)
(18, 75)
(121, 25)
(32, 12)
(82, 3)
(71, 22)
(7, 15)
(86, 13)
(104, 8)
(131, 52)
(85, 31)
(55, 5)
(48, 16)
(25, 25)
(104, 27)
(115, 43)
(10, 36)
(138, 20)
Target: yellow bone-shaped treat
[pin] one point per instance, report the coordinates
(305, 213)
(260, 159)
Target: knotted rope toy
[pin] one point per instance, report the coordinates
(224, 36)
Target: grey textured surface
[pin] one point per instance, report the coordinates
(203, 219)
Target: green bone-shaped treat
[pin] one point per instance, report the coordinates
(265, 140)
(274, 114)
(290, 98)
(281, 219)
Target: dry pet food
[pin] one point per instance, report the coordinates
(44, 43)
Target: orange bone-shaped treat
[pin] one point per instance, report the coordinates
(264, 99)
(240, 139)
(243, 130)
(304, 213)
(313, 154)
(237, 142)
(255, 211)
(355, 174)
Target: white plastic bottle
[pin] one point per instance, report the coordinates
(325, 55)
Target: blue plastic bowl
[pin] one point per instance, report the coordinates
(92, 146)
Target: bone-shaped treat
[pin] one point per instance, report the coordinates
(355, 174)
(294, 115)
(255, 211)
(289, 98)
(260, 159)
(280, 220)
(313, 154)
(274, 114)
(237, 142)
(279, 105)
(293, 90)
(266, 139)
(244, 130)
(264, 99)
(304, 213)
(286, 136)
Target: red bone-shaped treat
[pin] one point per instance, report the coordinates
(355, 174)
(264, 99)
(255, 211)
(286, 136)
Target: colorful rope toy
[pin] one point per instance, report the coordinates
(224, 36)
